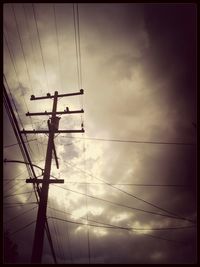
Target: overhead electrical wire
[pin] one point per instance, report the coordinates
(124, 206)
(19, 186)
(24, 162)
(86, 199)
(19, 203)
(79, 45)
(22, 193)
(56, 239)
(129, 184)
(132, 141)
(136, 197)
(22, 228)
(79, 77)
(38, 34)
(26, 64)
(23, 53)
(14, 123)
(112, 227)
(11, 179)
(30, 195)
(19, 215)
(56, 236)
(14, 179)
(10, 54)
(57, 45)
(22, 48)
(30, 40)
(48, 233)
(77, 50)
(8, 146)
(130, 228)
(69, 244)
(12, 60)
(15, 128)
(24, 151)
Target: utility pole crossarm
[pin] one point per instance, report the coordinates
(47, 131)
(58, 112)
(40, 181)
(49, 96)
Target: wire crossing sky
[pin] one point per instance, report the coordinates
(137, 66)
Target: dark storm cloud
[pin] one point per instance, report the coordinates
(172, 33)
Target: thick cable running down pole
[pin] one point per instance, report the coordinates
(24, 152)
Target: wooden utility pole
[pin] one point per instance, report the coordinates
(53, 125)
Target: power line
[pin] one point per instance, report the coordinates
(16, 176)
(50, 241)
(23, 53)
(7, 109)
(19, 186)
(121, 205)
(17, 194)
(11, 93)
(76, 45)
(112, 227)
(79, 46)
(133, 141)
(15, 69)
(56, 238)
(15, 127)
(19, 203)
(136, 197)
(18, 143)
(56, 235)
(129, 184)
(13, 179)
(127, 228)
(24, 162)
(30, 40)
(67, 232)
(57, 44)
(11, 56)
(86, 193)
(19, 215)
(25, 155)
(14, 123)
(21, 44)
(22, 228)
(38, 34)
(19, 179)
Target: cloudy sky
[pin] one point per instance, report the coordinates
(138, 64)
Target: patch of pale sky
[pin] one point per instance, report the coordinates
(120, 217)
